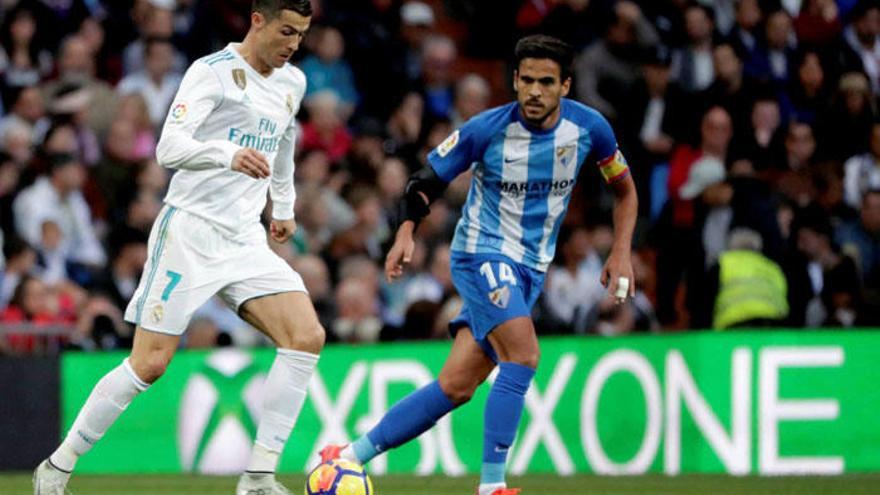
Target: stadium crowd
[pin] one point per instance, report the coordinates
(749, 126)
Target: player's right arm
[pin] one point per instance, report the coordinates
(452, 157)
(199, 94)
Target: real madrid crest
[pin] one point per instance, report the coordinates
(157, 313)
(289, 103)
(240, 78)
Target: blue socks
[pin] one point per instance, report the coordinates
(409, 418)
(503, 411)
(420, 410)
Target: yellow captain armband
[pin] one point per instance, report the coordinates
(614, 167)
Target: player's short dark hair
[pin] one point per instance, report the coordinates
(272, 8)
(543, 46)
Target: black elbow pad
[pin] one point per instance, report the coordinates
(423, 184)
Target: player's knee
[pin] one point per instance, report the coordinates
(151, 367)
(457, 390)
(528, 358)
(306, 338)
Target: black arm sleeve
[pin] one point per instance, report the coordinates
(412, 204)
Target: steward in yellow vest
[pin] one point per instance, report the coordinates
(751, 287)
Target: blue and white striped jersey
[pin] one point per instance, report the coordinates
(523, 177)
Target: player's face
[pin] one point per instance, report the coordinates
(280, 37)
(539, 88)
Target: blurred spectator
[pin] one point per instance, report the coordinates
(367, 206)
(433, 284)
(692, 65)
(32, 302)
(157, 81)
(763, 146)
(58, 196)
(357, 318)
(405, 126)
(27, 111)
(9, 178)
(24, 60)
(861, 240)
(16, 141)
(438, 59)
(800, 146)
(744, 36)
(573, 288)
(133, 108)
(157, 22)
(325, 130)
(416, 25)
(844, 130)
(771, 60)
(831, 295)
(119, 280)
(607, 68)
(20, 259)
(862, 172)
(71, 105)
(730, 90)
(76, 69)
(316, 278)
(573, 21)
(861, 51)
(649, 124)
(818, 22)
(327, 70)
(746, 288)
(807, 96)
(472, 95)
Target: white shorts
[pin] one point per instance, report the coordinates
(190, 261)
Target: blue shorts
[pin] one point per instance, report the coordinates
(495, 289)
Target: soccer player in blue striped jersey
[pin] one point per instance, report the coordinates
(526, 158)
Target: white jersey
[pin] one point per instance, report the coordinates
(223, 105)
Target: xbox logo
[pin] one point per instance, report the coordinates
(219, 413)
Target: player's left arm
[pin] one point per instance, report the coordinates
(281, 189)
(614, 169)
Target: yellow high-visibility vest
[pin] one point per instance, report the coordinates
(751, 286)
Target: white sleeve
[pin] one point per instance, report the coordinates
(199, 94)
(281, 185)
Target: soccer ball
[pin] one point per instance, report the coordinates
(339, 477)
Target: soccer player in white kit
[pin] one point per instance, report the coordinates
(230, 135)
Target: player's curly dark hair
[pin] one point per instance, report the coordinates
(543, 46)
(272, 8)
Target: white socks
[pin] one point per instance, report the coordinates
(108, 399)
(284, 395)
(348, 454)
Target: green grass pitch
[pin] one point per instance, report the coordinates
(869, 484)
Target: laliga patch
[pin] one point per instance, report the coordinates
(178, 112)
(448, 144)
(500, 297)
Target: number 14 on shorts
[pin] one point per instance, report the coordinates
(505, 274)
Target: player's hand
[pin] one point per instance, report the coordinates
(401, 252)
(618, 266)
(250, 162)
(281, 230)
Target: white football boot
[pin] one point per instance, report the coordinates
(260, 484)
(49, 480)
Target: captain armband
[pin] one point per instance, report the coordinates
(614, 168)
(423, 184)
